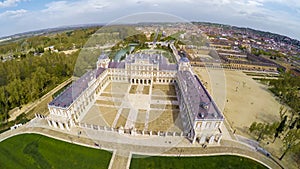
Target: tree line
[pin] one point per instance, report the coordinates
(61, 41)
(25, 80)
(34, 71)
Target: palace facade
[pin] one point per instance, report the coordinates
(200, 116)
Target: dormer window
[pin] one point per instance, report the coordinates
(204, 105)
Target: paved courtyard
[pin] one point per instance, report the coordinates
(144, 107)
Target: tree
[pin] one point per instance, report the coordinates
(294, 123)
(298, 124)
(291, 139)
(4, 107)
(15, 91)
(272, 129)
(280, 128)
(39, 49)
(253, 127)
(282, 112)
(293, 115)
(261, 129)
(23, 81)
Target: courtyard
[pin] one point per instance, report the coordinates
(144, 107)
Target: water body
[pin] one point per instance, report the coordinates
(121, 53)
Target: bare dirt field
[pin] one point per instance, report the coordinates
(108, 88)
(163, 120)
(141, 119)
(100, 115)
(108, 113)
(166, 89)
(133, 89)
(146, 89)
(123, 117)
(117, 88)
(246, 100)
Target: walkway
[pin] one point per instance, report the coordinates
(123, 144)
(120, 160)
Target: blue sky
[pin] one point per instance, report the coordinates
(278, 16)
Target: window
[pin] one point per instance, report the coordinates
(208, 124)
(199, 125)
(217, 125)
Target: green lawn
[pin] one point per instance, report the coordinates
(36, 151)
(211, 162)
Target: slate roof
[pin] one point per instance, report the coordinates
(199, 100)
(184, 59)
(168, 67)
(99, 71)
(72, 92)
(120, 65)
(155, 58)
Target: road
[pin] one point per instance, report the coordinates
(175, 52)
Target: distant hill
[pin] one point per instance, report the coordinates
(45, 32)
(276, 37)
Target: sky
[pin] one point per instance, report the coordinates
(277, 16)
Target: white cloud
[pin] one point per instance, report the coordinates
(76, 6)
(13, 14)
(9, 3)
(248, 13)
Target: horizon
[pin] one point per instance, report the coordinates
(275, 16)
(104, 24)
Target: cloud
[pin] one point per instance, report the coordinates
(9, 3)
(76, 6)
(283, 17)
(258, 14)
(13, 14)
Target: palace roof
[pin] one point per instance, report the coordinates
(197, 97)
(120, 65)
(69, 95)
(72, 92)
(184, 59)
(155, 58)
(168, 67)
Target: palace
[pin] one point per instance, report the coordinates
(200, 117)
